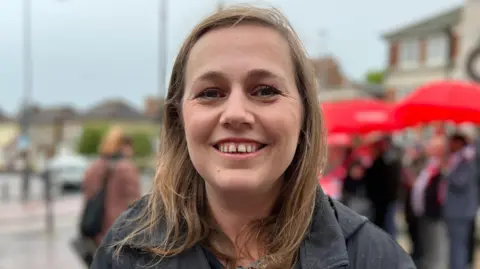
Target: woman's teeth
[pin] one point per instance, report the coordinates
(238, 147)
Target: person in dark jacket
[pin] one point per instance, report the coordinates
(354, 193)
(241, 148)
(461, 202)
(415, 162)
(382, 180)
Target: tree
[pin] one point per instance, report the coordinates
(142, 144)
(90, 140)
(375, 76)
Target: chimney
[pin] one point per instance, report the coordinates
(151, 105)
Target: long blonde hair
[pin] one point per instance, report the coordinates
(177, 201)
(112, 141)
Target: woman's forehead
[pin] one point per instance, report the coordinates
(240, 48)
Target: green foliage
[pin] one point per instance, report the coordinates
(375, 76)
(90, 140)
(142, 144)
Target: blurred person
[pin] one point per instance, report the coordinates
(382, 181)
(473, 237)
(354, 190)
(394, 157)
(122, 186)
(427, 204)
(331, 180)
(470, 133)
(461, 199)
(414, 161)
(241, 149)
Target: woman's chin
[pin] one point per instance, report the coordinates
(238, 185)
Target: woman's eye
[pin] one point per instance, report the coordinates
(265, 91)
(210, 94)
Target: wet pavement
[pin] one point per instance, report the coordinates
(39, 250)
(25, 242)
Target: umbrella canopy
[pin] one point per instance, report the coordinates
(455, 101)
(339, 139)
(359, 116)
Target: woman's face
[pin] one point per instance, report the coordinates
(436, 148)
(241, 109)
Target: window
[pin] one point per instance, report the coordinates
(437, 50)
(409, 53)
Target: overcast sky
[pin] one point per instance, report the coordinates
(88, 50)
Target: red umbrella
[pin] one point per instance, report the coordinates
(339, 139)
(358, 116)
(455, 101)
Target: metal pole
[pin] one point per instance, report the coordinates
(220, 5)
(5, 189)
(27, 92)
(162, 46)
(49, 214)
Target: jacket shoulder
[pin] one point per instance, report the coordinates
(367, 245)
(372, 248)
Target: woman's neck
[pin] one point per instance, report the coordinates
(234, 211)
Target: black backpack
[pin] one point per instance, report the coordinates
(91, 222)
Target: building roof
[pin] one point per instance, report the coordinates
(114, 110)
(437, 22)
(328, 72)
(4, 117)
(51, 115)
(46, 115)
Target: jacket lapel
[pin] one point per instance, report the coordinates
(325, 246)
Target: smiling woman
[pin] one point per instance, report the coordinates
(241, 151)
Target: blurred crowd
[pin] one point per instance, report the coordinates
(433, 181)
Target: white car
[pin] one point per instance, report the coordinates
(67, 171)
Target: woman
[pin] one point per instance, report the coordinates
(237, 182)
(114, 165)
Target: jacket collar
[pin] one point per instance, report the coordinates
(324, 245)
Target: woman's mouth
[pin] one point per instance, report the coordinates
(238, 148)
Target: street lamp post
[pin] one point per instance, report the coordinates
(220, 5)
(162, 46)
(27, 92)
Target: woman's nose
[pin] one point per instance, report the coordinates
(237, 110)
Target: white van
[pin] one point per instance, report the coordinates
(67, 171)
